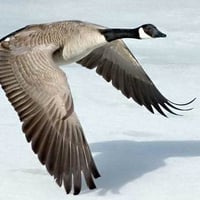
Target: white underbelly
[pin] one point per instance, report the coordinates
(78, 47)
(76, 57)
(60, 60)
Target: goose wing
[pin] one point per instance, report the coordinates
(40, 94)
(116, 63)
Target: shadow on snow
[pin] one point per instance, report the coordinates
(121, 161)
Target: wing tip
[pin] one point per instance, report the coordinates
(175, 106)
(183, 104)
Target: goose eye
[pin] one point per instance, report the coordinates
(149, 30)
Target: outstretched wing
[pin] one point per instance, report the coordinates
(40, 94)
(116, 63)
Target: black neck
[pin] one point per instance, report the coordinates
(114, 34)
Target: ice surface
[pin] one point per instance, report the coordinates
(140, 156)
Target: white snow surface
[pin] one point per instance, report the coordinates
(140, 156)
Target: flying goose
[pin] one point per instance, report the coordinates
(38, 89)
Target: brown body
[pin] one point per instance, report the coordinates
(39, 91)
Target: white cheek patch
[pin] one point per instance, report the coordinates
(143, 35)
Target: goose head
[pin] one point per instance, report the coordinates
(148, 31)
(145, 31)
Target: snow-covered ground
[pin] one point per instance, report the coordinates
(140, 156)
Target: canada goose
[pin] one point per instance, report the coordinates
(38, 89)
